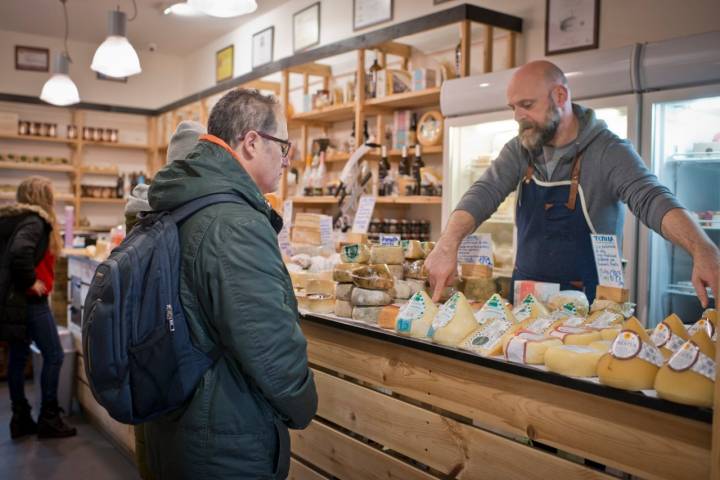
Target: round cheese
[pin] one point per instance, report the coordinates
(453, 322)
(528, 348)
(397, 271)
(609, 334)
(569, 298)
(343, 291)
(369, 315)
(299, 279)
(319, 303)
(689, 376)
(403, 290)
(476, 270)
(320, 286)
(669, 335)
(361, 297)
(388, 254)
(342, 272)
(478, 288)
(573, 360)
(343, 308)
(415, 317)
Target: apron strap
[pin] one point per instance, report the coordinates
(574, 182)
(529, 172)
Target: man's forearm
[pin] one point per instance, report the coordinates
(679, 227)
(460, 225)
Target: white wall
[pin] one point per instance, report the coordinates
(159, 83)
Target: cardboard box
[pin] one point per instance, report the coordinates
(423, 78)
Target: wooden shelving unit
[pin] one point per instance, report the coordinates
(93, 170)
(127, 146)
(394, 200)
(37, 138)
(59, 197)
(36, 167)
(319, 200)
(334, 113)
(419, 99)
(103, 200)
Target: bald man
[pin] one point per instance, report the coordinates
(571, 175)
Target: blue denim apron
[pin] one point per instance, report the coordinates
(553, 233)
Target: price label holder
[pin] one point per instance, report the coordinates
(611, 282)
(476, 249)
(284, 235)
(389, 240)
(364, 213)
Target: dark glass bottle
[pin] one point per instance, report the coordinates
(366, 135)
(374, 69)
(412, 132)
(120, 187)
(404, 168)
(383, 170)
(417, 165)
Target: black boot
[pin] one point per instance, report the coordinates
(22, 422)
(50, 425)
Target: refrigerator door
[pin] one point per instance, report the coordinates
(682, 143)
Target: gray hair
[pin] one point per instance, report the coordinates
(240, 111)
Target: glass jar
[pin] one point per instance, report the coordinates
(114, 135)
(71, 132)
(404, 228)
(393, 227)
(105, 134)
(34, 128)
(23, 128)
(97, 134)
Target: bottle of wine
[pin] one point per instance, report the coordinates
(352, 137)
(458, 59)
(372, 87)
(417, 165)
(366, 134)
(412, 132)
(120, 187)
(404, 167)
(383, 171)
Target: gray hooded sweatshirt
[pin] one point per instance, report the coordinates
(611, 172)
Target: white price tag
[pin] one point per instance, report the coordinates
(326, 230)
(284, 235)
(389, 240)
(476, 249)
(363, 214)
(607, 260)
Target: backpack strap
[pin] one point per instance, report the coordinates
(193, 206)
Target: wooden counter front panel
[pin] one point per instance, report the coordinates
(634, 439)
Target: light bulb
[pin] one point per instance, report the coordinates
(224, 8)
(115, 57)
(60, 90)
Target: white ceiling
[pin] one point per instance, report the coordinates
(173, 35)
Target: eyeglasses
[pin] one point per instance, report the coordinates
(284, 144)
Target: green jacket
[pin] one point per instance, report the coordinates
(236, 294)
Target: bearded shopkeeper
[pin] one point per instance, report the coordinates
(572, 175)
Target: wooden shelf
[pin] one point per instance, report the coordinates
(409, 200)
(334, 113)
(112, 171)
(338, 157)
(103, 200)
(37, 138)
(43, 167)
(128, 146)
(395, 153)
(422, 98)
(319, 200)
(59, 197)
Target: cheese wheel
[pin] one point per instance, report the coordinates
(415, 269)
(633, 360)
(575, 335)
(373, 277)
(299, 279)
(528, 348)
(689, 376)
(573, 360)
(388, 315)
(343, 291)
(388, 254)
(607, 322)
(476, 270)
(343, 308)
(412, 249)
(302, 301)
(416, 316)
(355, 253)
(403, 290)
(669, 335)
(478, 288)
(342, 272)
(320, 286)
(319, 303)
(369, 315)
(601, 345)
(453, 322)
(361, 297)
(397, 271)
(600, 304)
(415, 285)
(531, 308)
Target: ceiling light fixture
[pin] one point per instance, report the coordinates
(224, 8)
(116, 57)
(60, 90)
(181, 9)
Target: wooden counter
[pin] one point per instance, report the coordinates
(395, 407)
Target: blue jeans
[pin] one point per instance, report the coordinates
(43, 331)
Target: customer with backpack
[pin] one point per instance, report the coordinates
(238, 301)
(29, 244)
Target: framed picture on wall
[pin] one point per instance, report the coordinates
(367, 13)
(306, 27)
(262, 47)
(224, 63)
(571, 25)
(32, 59)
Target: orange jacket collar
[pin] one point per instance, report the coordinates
(221, 143)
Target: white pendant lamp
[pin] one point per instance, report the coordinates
(115, 57)
(224, 8)
(60, 90)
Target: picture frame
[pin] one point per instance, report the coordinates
(438, 2)
(224, 63)
(306, 27)
(367, 13)
(262, 47)
(571, 25)
(430, 128)
(32, 59)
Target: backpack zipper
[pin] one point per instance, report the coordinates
(169, 317)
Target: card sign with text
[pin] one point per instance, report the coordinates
(607, 260)
(364, 214)
(476, 249)
(326, 230)
(389, 240)
(284, 235)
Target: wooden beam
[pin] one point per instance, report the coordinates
(394, 48)
(465, 42)
(299, 471)
(360, 98)
(315, 69)
(264, 85)
(488, 50)
(510, 56)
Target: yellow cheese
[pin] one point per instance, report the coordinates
(573, 360)
(670, 335)
(494, 308)
(689, 376)
(343, 291)
(402, 290)
(361, 297)
(607, 322)
(343, 308)
(529, 308)
(542, 325)
(476, 270)
(529, 348)
(320, 303)
(388, 254)
(569, 298)
(453, 322)
(415, 269)
(575, 335)
(609, 334)
(488, 339)
(355, 253)
(388, 315)
(633, 360)
(707, 322)
(320, 286)
(397, 271)
(416, 316)
(478, 288)
(412, 249)
(601, 345)
(368, 315)
(299, 279)
(342, 272)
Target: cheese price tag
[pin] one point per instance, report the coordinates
(476, 249)
(607, 260)
(284, 235)
(389, 240)
(363, 214)
(326, 230)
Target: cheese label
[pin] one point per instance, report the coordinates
(573, 322)
(661, 335)
(650, 353)
(492, 309)
(389, 240)
(351, 252)
(604, 320)
(446, 313)
(405, 244)
(577, 349)
(476, 249)
(522, 312)
(410, 312)
(563, 331)
(685, 357)
(539, 325)
(529, 336)
(627, 345)
(569, 308)
(516, 349)
(490, 334)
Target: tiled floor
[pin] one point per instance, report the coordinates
(87, 456)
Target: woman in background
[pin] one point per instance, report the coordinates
(29, 244)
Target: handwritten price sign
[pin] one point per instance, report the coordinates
(476, 249)
(607, 260)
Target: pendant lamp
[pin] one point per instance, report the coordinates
(60, 90)
(115, 57)
(224, 8)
